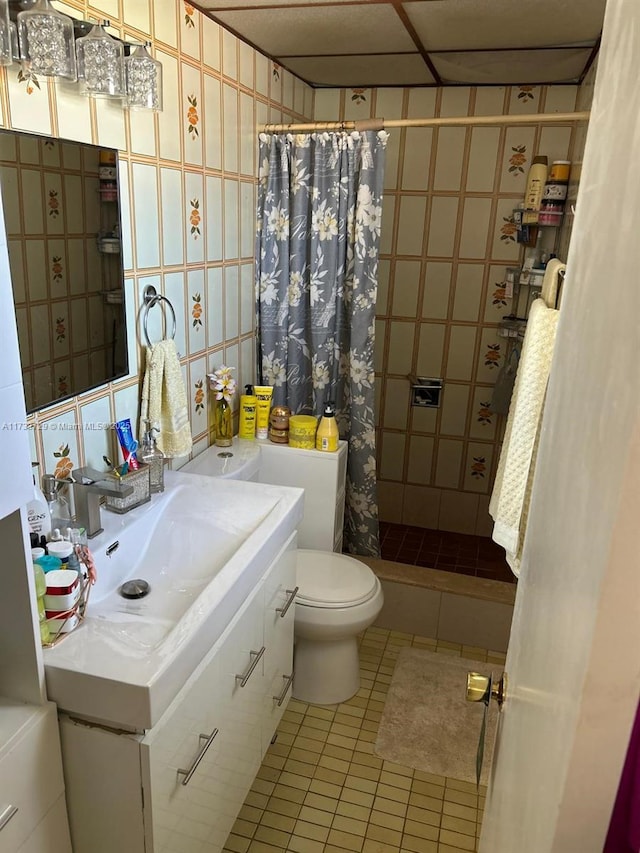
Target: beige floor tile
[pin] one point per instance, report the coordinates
(320, 712)
(305, 845)
(316, 816)
(353, 710)
(311, 745)
(294, 780)
(457, 785)
(279, 748)
(421, 830)
(423, 815)
(275, 837)
(345, 841)
(349, 824)
(423, 776)
(327, 789)
(340, 752)
(312, 830)
(421, 845)
(305, 755)
(300, 768)
(280, 821)
(332, 776)
(284, 807)
(389, 792)
(321, 723)
(447, 848)
(274, 761)
(317, 801)
(461, 797)
(263, 786)
(334, 763)
(263, 847)
(358, 798)
(269, 774)
(362, 771)
(345, 729)
(366, 736)
(391, 821)
(428, 788)
(456, 839)
(382, 833)
(259, 801)
(371, 846)
(457, 824)
(422, 801)
(456, 810)
(244, 828)
(296, 705)
(286, 792)
(250, 813)
(395, 780)
(352, 810)
(390, 807)
(312, 733)
(237, 843)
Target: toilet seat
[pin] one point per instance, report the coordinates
(329, 580)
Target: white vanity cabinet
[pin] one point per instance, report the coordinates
(33, 816)
(179, 787)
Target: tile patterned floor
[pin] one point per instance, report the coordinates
(477, 556)
(321, 788)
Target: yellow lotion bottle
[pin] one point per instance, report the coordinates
(263, 394)
(248, 402)
(327, 436)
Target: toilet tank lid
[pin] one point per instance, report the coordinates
(332, 580)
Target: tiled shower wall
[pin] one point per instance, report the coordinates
(187, 182)
(447, 238)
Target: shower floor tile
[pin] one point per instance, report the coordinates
(477, 556)
(349, 799)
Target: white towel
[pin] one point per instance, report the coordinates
(509, 505)
(164, 399)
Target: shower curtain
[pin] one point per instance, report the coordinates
(319, 217)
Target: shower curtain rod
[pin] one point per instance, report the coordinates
(446, 121)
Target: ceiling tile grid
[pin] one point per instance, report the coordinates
(420, 42)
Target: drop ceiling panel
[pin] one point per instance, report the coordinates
(353, 71)
(511, 66)
(473, 24)
(371, 28)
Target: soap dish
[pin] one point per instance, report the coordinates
(141, 482)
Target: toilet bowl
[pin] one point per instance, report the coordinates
(338, 597)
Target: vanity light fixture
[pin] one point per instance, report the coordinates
(6, 55)
(50, 44)
(47, 45)
(144, 80)
(100, 60)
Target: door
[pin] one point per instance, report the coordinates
(573, 662)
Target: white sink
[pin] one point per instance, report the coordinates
(201, 546)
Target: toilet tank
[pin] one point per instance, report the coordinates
(241, 461)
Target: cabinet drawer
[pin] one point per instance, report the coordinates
(30, 777)
(52, 833)
(279, 585)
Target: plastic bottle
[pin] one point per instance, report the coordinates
(37, 510)
(41, 588)
(248, 403)
(536, 180)
(327, 436)
(58, 507)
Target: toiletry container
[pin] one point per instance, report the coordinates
(58, 506)
(302, 431)
(247, 425)
(38, 510)
(337, 596)
(41, 588)
(151, 455)
(536, 180)
(327, 436)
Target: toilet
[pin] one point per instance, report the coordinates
(338, 597)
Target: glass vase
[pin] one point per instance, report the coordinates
(223, 423)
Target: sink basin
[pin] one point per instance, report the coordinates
(201, 546)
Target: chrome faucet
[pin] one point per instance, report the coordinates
(88, 487)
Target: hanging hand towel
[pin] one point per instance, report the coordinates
(164, 399)
(509, 506)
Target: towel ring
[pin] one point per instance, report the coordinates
(151, 297)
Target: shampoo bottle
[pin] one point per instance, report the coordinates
(247, 426)
(38, 511)
(536, 180)
(327, 435)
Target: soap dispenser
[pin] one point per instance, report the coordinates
(58, 506)
(327, 436)
(152, 456)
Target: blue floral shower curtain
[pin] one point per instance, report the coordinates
(319, 218)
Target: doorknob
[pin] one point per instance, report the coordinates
(481, 688)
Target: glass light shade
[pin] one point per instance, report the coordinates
(46, 39)
(100, 64)
(144, 81)
(6, 55)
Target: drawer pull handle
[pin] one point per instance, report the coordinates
(6, 816)
(292, 595)
(254, 663)
(287, 684)
(208, 739)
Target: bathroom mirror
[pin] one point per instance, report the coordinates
(63, 231)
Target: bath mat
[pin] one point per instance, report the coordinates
(427, 723)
